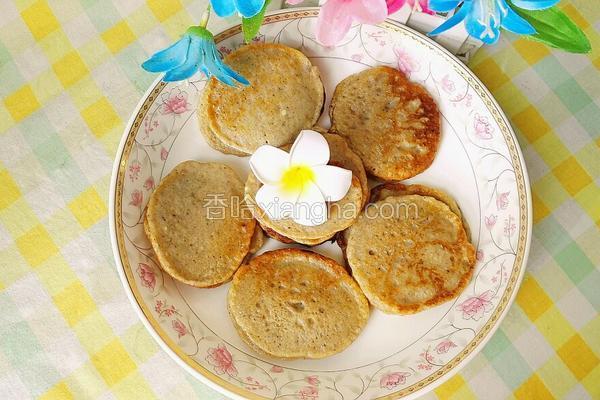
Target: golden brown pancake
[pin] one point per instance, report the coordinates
(193, 245)
(391, 123)
(285, 95)
(293, 303)
(409, 253)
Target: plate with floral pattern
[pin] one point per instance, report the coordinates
(479, 163)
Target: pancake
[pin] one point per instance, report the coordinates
(293, 303)
(387, 189)
(210, 137)
(409, 253)
(341, 214)
(192, 244)
(285, 95)
(391, 123)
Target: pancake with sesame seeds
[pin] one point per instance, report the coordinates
(391, 123)
(409, 253)
(293, 303)
(285, 95)
(195, 242)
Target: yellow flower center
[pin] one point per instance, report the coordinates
(295, 179)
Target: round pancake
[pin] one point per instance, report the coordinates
(341, 214)
(391, 123)
(285, 95)
(387, 189)
(193, 244)
(293, 303)
(409, 253)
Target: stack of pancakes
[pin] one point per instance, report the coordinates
(406, 246)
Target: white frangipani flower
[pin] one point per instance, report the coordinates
(298, 185)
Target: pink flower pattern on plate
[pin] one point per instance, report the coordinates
(490, 221)
(134, 170)
(443, 346)
(222, 361)
(502, 200)
(308, 393)
(149, 184)
(312, 380)
(393, 379)
(475, 307)
(137, 198)
(406, 63)
(276, 369)
(146, 275)
(174, 102)
(179, 327)
(164, 154)
(448, 85)
(483, 127)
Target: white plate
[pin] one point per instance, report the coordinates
(478, 162)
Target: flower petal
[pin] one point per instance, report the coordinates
(268, 164)
(310, 148)
(190, 66)
(443, 5)
(483, 22)
(310, 209)
(169, 58)
(452, 21)
(249, 8)
(394, 5)
(368, 11)
(334, 182)
(223, 8)
(224, 69)
(513, 22)
(276, 203)
(212, 63)
(534, 4)
(333, 22)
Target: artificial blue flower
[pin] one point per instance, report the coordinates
(484, 18)
(196, 50)
(226, 8)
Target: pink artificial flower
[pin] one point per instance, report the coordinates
(149, 184)
(391, 380)
(490, 221)
(174, 103)
(444, 346)
(163, 154)
(308, 393)
(483, 128)
(137, 197)
(146, 275)
(336, 17)
(222, 360)
(179, 327)
(474, 307)
(312, 380)
(502, 200)
(276, 369)
(418, 5)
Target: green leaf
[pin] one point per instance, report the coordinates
(556, 29)
(251, 26)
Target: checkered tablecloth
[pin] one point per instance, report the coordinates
(69, 80)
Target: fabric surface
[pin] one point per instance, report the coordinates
(69, 80)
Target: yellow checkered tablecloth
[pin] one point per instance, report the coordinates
(69, 79)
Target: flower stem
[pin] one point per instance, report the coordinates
(205, 17)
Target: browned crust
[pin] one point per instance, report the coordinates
(400, 88)
(270, 257)
(165, 264)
